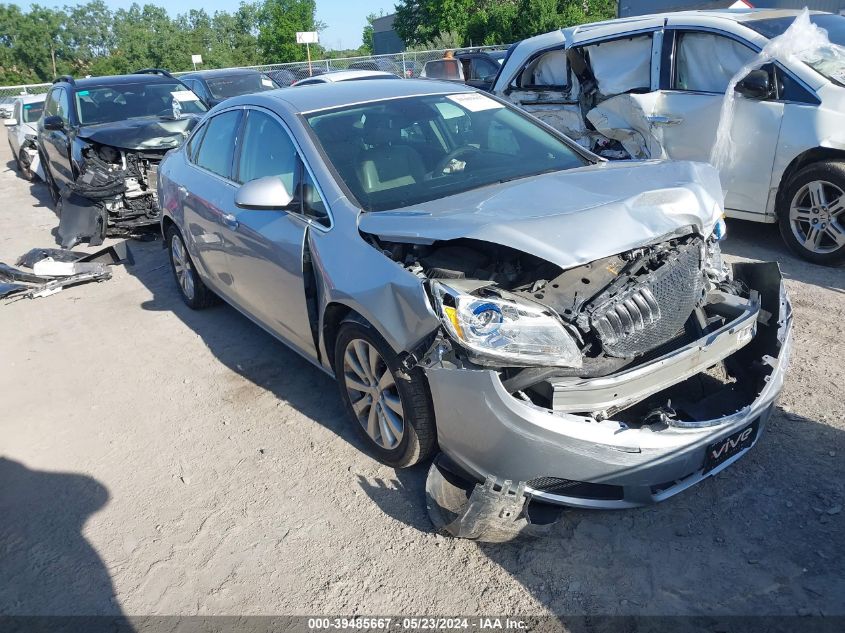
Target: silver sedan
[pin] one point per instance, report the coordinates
(553, 326)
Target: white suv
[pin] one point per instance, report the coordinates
(654, 86)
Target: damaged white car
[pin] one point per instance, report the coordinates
(23, 134)
(654, 87)
(560, 327)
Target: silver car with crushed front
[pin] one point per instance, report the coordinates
(557, 328)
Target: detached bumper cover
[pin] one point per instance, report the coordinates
(488, 432)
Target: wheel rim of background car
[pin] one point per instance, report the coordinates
(23, 159)
(182, 267)
(814, 216)
(373, 394)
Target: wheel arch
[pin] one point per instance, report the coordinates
(814, 155)
(334, 315)
(166, 223)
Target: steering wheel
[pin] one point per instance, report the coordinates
(443, 163)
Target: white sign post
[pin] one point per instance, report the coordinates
(307, 38)
(196, 59)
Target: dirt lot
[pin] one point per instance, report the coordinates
(157, 460)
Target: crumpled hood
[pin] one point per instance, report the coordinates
(148, 133)
(569, 218)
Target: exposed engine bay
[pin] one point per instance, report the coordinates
(114, 194)
(125, 182)
(626, 313)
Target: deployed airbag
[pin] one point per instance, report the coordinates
(622, 66)
(621, 118)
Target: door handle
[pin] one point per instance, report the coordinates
(231, 221)
(664, 120)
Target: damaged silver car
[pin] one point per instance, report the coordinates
(560, 328)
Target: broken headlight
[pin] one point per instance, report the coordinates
(505, 328)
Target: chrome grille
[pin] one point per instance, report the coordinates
(653, 310)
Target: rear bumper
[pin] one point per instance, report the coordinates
(595, 464)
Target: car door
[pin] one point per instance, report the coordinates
(689, 108)
(57, 142)
(14, 131)
(482, 72)
(267, 256)
(207, 193)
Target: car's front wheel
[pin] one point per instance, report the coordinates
(191, 288)
(25, 166)
(391, 408)
(812, 214)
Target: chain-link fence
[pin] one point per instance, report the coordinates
(407, 65)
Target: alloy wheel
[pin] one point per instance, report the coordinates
(372, 391)
(816, 217)
(182, 267)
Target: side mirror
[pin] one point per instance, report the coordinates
(10, 122)
(756, 85)
(264, 193)
(54, 123)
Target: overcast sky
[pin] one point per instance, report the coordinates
(345, 19)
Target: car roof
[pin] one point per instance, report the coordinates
(623, 25)
(117, 80)
(345, 75)
(334, 95)
(221, 72)
(32, 98)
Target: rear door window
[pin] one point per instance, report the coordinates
(622, 66)
(706, 62)
(218, 143)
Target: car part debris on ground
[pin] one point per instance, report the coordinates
(55, 269)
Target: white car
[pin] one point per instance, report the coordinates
(654, 87)
(344, 75)
(23, 132)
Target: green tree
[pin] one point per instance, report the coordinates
(278, 23)
(367, 34)
(420, 21)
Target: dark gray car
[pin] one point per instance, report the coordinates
(557, 325)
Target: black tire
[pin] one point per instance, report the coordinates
(814, 238)
(419, 436)
(24, 167)
(193, 291)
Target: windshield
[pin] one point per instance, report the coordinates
(828, 61)
(32, 112)
(108, 104)
(234, 85)
(401, 152)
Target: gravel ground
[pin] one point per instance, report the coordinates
(157, 460)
